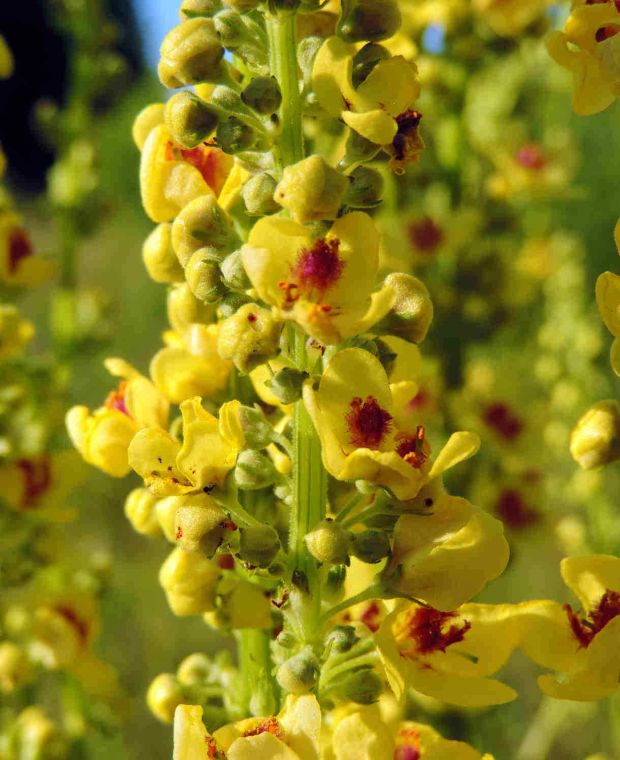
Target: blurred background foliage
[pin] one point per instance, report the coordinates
(141, 637)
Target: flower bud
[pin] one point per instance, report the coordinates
(189, 119)
(373, 20)
(159, 257)
(195, 8)
(234, 136)
(203, 223)
(191, 53)
(140, 510)
(258, 545)
(184, 309)
(362, 686)
(38, 737)
(412, 312)
(231, 303)
(370, 546)
(258, 195)
(328, 543)
(595, 441)
(189, 581)
(15, 668)
(234, 273)
(203, 276)
(365, 60)
(254, 470)
(287, 384)
(341, 638)
(358, 149)
(194, 669)
(243, 6)
(299, 674)
(163, 696)
(336, 576)
(262, 95)
(365, 190)
(249, 338)
(311, 190)
(200, 525)
(257, 430)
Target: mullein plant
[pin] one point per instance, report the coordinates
(282, 453)
(53, 687)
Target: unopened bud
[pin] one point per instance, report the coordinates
(366, 188)
(140, 510)
(370, 546)
(189, 119)
(365, 60)
(203, 276)
(249, 338)
(203, 223)
(328, 543)
(234, 273)
(595, 441)
(386, 355)
(163, 696)
(159, 257)
(263, 95)
(358, 149)
(361, 686)
(185, 309)
(258, 195)
(234, 136)
(189, 581)
(336, 576)
(254, 470)
(200, 525)
(256, 429)
(412, 312)
(287, 384)
(195, 8)
(372, 20)
(243, 6)
(231, 303)
(258, 545)
(191, 53)
(194, 669)
(341, 638)
(15, 668)
(299, 673)
(311, 190)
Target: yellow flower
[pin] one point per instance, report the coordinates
(190, 364)
(190, 582)
(6, 59)
(363, 735)
(40, 484)
(589, 47)
(449, 655)
(204, 459)
(365, 436)
(508, 18)
(18, 266)
(445, 557)
(608, 300)
(172, 176)
(323, 284)
(381, 108)
(15, 333)
(103, 437)
(584, 647)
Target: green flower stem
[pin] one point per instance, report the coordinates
(256, 667)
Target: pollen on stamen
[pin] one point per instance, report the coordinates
(606, 610)
(267, 726)
(414, 449)
(409, 745)
(320, 267)
(367, 422)
(20, 248)
(116, 399)
(424, 630)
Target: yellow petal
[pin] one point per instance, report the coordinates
(362, 736)
(608, 300)
(590, 576)
(190, 734)
(301, 720)
(331, 76)
(263, 745)
(376, 125)
(153, 454)
(460, 446)
(392, 85)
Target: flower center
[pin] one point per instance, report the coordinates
(407, 143)
(424, 630)
(37, 475)
(408, 745)
(371, 617)
(513, 510)
(425, 235)
(116, 399)
(80, 626)
(500, 418)
(607, 32)
(267, 726)
(20, 248)
(530, 156)
(319, 267)
(414, 449)
(212, 163)
(585, 630)
(367, 422)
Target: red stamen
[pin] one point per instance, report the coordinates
(371, 617)
(413, 448)
(530, 156)
(80, 626)
(425, 235)
(410, 748)
(367, 422)
(116, 399)
(212, 163)
(20, 248)
(585, 630)
(500, 418)
(606, 32)
(320, 267)
(37, 475)
(514, 511)
(267, 726)
(425, 629)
